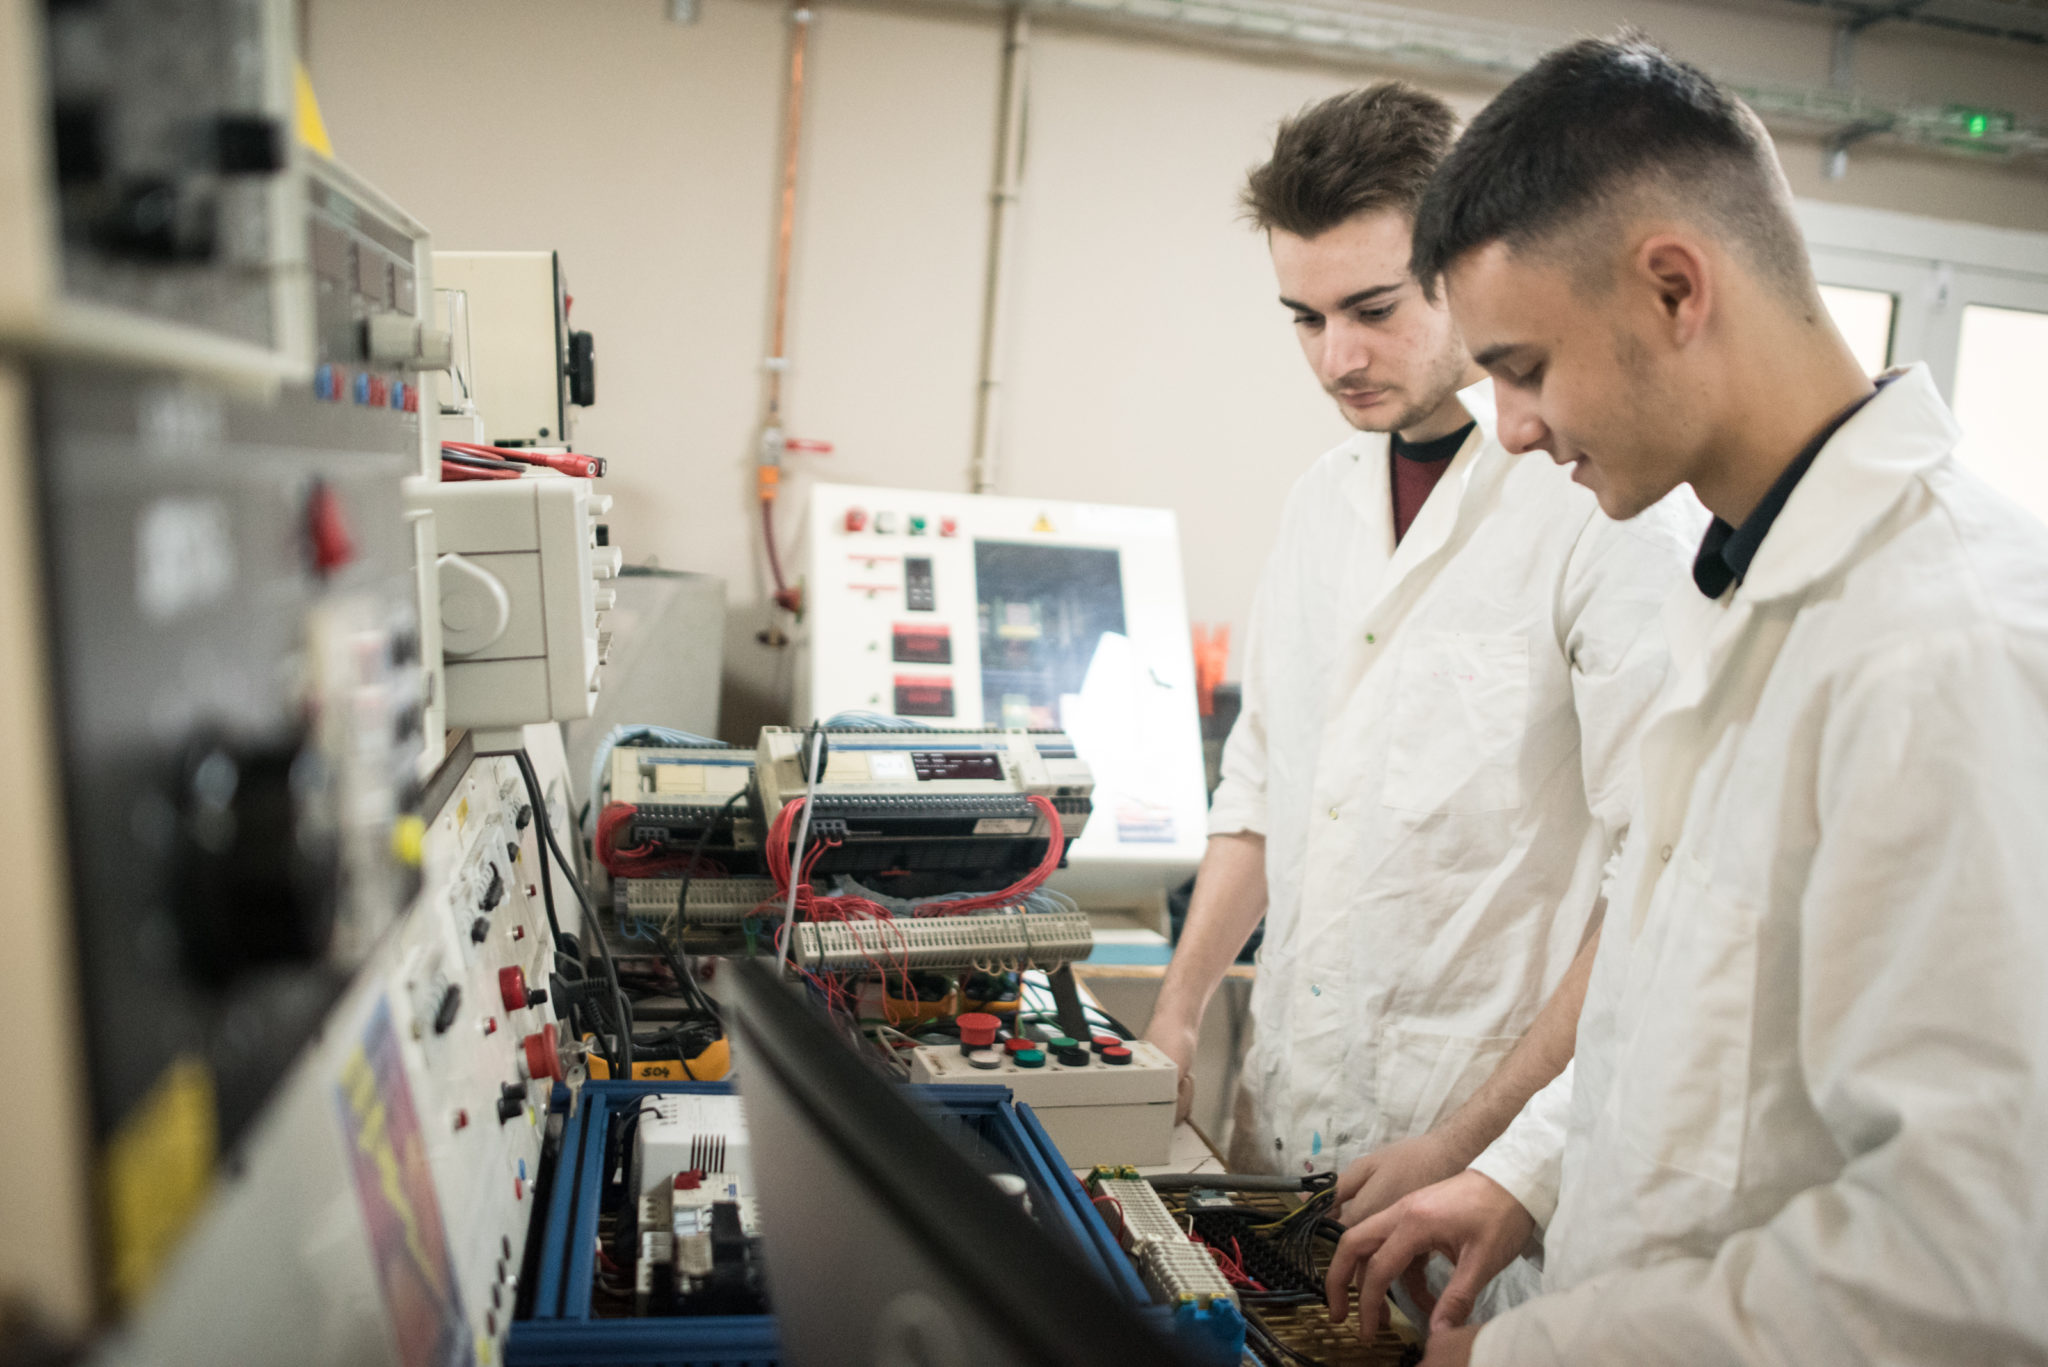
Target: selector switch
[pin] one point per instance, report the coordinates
(511, 1102)
(444, 1014)
(480, 929)
(494, 891)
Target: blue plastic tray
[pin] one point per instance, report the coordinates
(562, 1330)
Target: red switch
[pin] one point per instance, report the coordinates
(543, 1054)
(856, 519)
(512, 987)
(462, 1120)
(327, 530)
(949, 526)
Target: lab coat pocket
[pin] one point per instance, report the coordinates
(1425, 1076)
(1461, 704)
(1683, 1088)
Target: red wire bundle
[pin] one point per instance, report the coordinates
(812, 907)
(781, 833)
(640, 861)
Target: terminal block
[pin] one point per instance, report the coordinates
(986, 940)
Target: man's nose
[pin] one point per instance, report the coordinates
(1521, 429)
(1347, 348)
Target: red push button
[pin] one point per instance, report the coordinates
(856, 519)
(978, 1029)
(512, 987)
(543, 1055)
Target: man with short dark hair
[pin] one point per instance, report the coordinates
(1806, 1117)
(1450, 653)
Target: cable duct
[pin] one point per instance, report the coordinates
(1425, 42)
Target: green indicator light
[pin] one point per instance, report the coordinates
(1979, 125)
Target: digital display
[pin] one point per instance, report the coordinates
(931, 764)
(1043, 611)
(923, 697)
(924, 645)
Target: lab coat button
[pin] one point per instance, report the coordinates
(1371, 639)
(1333, 813)
(1315, 989)
(1665, 854)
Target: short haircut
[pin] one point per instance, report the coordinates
(1354, 153)
(1592, 127)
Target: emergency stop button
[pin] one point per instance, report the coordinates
(542, 1053)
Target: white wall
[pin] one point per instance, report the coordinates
(1149, 363)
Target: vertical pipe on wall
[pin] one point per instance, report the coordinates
(1003, 196)
(768, 460)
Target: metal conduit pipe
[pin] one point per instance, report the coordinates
(1391, 37)
(1003, 196)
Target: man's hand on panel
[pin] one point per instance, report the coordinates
(1470, 1219)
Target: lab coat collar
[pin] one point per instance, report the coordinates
(1858, 477)
(1367, 487)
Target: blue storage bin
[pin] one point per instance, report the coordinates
(562, 1330)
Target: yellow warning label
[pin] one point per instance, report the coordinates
(154, 1176)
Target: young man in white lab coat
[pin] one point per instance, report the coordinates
(1450, 653)
(1807, 1121)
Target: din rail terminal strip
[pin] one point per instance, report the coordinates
(992, 939)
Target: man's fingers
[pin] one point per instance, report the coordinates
(1468, 1278)
(1353, 1249)
(1184, 1097)
(1389, 1261)
(1416, 1280)
(1352, 1179)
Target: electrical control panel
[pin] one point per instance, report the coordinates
(149, 206)
(1013, 940)
(964, 611)
(387, 1192)
(1107, 1100)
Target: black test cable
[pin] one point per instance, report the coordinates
(592, 930)
(686, 983)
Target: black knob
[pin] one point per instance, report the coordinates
(480, 929)
(153, 219)
(247, 145)
(582, 369)
(536, 996)
(524, 816)
(444, 1014)
(258, 857)
(511, 1102)
(494, 891)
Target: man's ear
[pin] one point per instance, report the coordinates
(1681, 279)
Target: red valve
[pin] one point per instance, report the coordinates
(543, 1055)
(512, 987)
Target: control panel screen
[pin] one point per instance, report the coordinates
(924, 645)
(1043, 611)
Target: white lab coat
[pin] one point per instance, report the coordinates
(1807, 1119)
(1437, 743)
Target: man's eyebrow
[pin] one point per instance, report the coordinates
(1486, 359)
(1349, 301)
(1352, 301)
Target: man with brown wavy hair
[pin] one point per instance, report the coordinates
(1449, 654)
